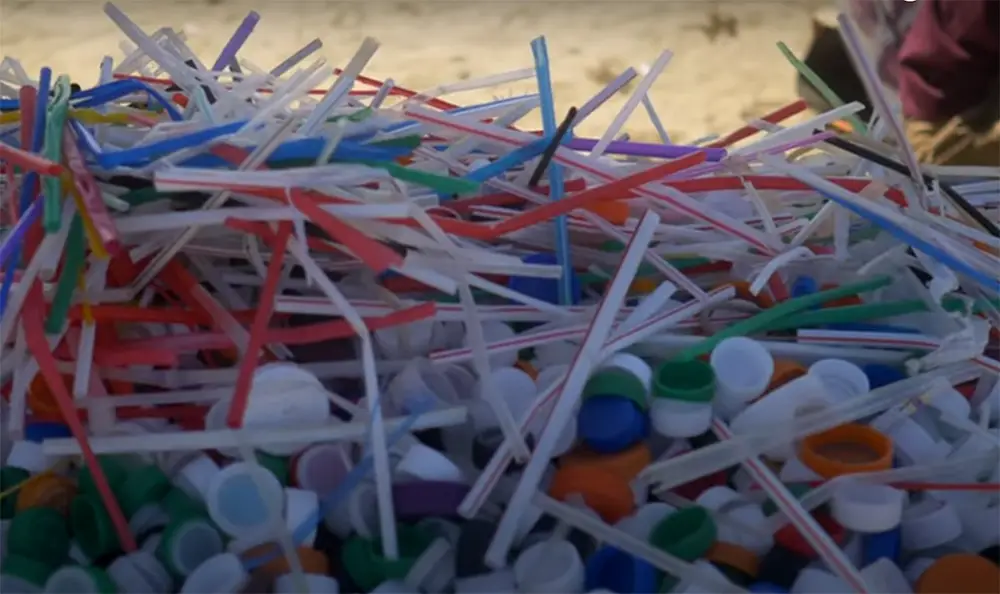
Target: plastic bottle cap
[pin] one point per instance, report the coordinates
(425, 463)
(368, 568)
(39, 533)
(686, 534)
(92, 527)
(689, 381)
(301, 506)
(685, 587)
(882, 375)
(959, 573)
(421, 381)
(10, 477)
(743, 369)
(285, 395)
(115, 471)
(605, 492)
(139, 573)
(321, 467)
(549, 566)
(315, 584)
(626, 463)
(885, 576)
(196, 475)
(785, 371)
(616, 571)
(544, 289)
(143, 486)
(242, 499)
(312, 561)
(488, 583)
(641, 523)
(80, 580)
(929, 523)
(179, 505)
(735, 556)
(620, 382)
(151, 519)
(610, 423)
(886, 544)
(528, 368)
(847, 449)
(843, 380)
(867, 508)
(47, 490)
(804, 285)
(276, 465)
(221, 573)
(187, 544)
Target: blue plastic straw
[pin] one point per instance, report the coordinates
(541, 54)
(509, 161)
(31, 180)
(12, 243)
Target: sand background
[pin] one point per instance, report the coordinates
(725, 68)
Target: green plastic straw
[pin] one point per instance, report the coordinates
(824, 89)
(76, 251)
(764, 320)
(439, 183)
(52, 150)
(410, 141)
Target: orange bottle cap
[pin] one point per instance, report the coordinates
(846, 449)
(734, 556)
(962, 572)
(313, 561)
(784, 372)
(46, 490)
(528, 368)
(603, 491)
(626, 463)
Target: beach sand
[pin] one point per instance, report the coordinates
(725, 69)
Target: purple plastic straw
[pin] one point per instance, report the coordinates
(236, 42)
(646, 149)
(16, 236)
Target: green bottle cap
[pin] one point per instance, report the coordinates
(73, 579)
(367, 567)
(278, 465)
(686, 534)
(92, 527)
(39, 533)
(114, 469)
(179, 505)
(186, 543)
(691, 381)
(617, 382)
(25, 569)
(143, 486)
(10, 477)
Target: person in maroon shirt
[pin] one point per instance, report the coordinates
(949, 81)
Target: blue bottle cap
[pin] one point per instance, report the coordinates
(617, 571)
(609, 423)
(544, 289)
(766, 588)
(881, 544)
(804, 285)
(39, 431)
(882, 375)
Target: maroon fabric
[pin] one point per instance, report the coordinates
(950, 59)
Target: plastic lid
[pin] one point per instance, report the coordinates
(544, 289)
(843, 379)
(39, 431)
(242, 498)
(39, 533)
(785, 371)
(186, 544)
(219, 574)
(966, 573)
(867, 508)
(846, 449)
(46, 490)
(277, 465)
(114, 469)
(611, 423)
(882, 375)
(626, 463)
(618, 382)
(92, 527)
(642, 522)
(80, 580)
(607, 493)
(321, 467)
(616, 571)
(735, 556)
(367, 567)
(686, 534)
(179, 505)
(549, 566)
(742, 367)
(312, 561)
(804, 285)
(27, 569)
(691, 381)
(10, 477)
(144, 485)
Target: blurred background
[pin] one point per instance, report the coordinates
(725, 68)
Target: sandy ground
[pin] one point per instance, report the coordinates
(725, 67)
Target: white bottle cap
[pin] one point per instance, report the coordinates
(72, 579)
(644, 519)
(315, 584)
(885, 576)
(867, 508)
(28, 455)
(284, 395)
(300, 505)
(558, 352)
(196, 476)
(929, 523)
(243, 498)
(223, 573)
(743, 369)
(781, 407)
(680, 419)
(427, 464)
(844, 380)
(125, 572)
(549, 566)
(500, 581)
(190, 545)
(812, 580)
(911, 442)
(322, 467)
